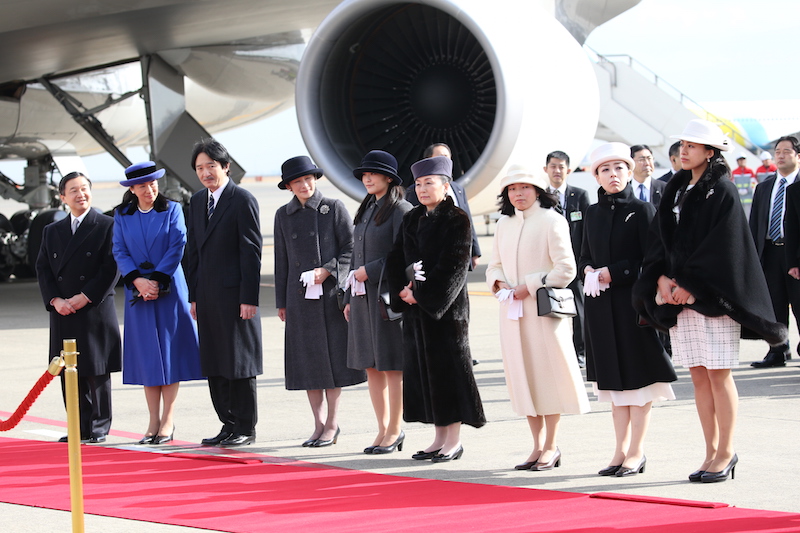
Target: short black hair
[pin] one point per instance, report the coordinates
(675, 149)
(639, 147)
(429, 150)
(792, 139)
(213, 149)
(557, 154)
(62, 185)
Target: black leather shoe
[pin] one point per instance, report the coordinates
(238, 439)
(322, 443)
(97, 440)
(147, 439)
(424, 456)
(773, 359)
(396, 445)
(638, 469)
(441, 458)
(65, 438)
(609, 470)
(722, 475)
(524, 466)
(214, 441)
(308, 443)
(696, 476)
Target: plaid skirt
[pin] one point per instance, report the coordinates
(699, 340)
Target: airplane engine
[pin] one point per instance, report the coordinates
(500, 82)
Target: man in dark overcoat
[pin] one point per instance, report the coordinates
(574, 202)
(223, 254)
(77, 275)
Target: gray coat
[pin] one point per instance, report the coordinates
(373, 342)
(319, 234)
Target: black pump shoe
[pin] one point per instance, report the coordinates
(422, 455)
(609, 470)
(440, 458)
(696, 476)
(638, 469)
(322, 443)
(722, 475)
(396, 445)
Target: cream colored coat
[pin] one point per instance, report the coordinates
(539, 360)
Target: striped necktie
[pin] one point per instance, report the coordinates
(210, 205)
(776, 218)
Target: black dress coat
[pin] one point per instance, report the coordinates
(373, 342)
(319, 234)
(709, 252)
(620, 355)
(576, 202)
(223, 258)
(69, 264)
(438, 384)
(791, 226)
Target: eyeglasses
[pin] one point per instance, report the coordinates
(643, 159)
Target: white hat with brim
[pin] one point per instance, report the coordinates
(704, 132)
(522, 174)
(765, 155)
(610, 152)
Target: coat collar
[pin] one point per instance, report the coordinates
(74, 241)
(314, 202)
(624, 197)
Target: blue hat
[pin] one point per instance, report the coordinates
(379, 162)
(142, 173)
(439, 165)
(296, 167)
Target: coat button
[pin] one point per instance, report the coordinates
(60, 278)
(297, 263)
(88, 254)
(294, 235)
(83, 278)
(299, 291)
(627, 271)
(55, 255)
(311, 234)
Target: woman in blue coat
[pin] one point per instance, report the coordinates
(160, 344)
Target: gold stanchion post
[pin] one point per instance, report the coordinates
(70, 355)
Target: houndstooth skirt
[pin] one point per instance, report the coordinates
(709, 341)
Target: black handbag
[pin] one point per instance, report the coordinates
(555, 303)
(384, 301)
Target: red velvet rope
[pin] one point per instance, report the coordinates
(26, 404)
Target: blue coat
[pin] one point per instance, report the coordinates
(160, 342)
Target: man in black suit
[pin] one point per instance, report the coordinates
(766, 224)
(573, 202)
(455, 191)
(645, 188)
(223, 252)
(77, 274)
(674, 160)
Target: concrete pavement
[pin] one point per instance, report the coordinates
(766, 437)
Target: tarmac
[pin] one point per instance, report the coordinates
(767, 433)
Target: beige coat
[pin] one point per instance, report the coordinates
(539, 359)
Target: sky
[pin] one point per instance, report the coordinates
(711, 50)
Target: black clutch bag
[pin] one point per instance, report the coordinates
(555, 303)
(162, 290)
(384, 300)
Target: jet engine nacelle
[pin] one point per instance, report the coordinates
(501, 82)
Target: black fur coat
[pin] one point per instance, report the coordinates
(438, 384)
(709, 252)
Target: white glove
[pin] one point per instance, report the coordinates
(592, 285)
(419, 274)
(356, 287)
(313, 290)
(506, 296)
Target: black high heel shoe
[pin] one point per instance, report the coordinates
(638, 469)
(319, 443)
(396, 445)
(696, 476)
(369, 449)
(609, 470)
(554, 462)
(309, 443)
(440, 458)
(422, 455)
(163, 439)
(147, 439)
(722, 475)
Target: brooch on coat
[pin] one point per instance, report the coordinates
(324, 209)
(709, 193)
(627, 218)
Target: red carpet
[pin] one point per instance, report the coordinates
(240, 496)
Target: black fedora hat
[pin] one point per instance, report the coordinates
(380, 162)
(296, 167)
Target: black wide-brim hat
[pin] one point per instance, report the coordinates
(142, 173)
(379, 162)
(296, 167)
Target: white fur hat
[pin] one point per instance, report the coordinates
(705, 132)
(610, 152)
